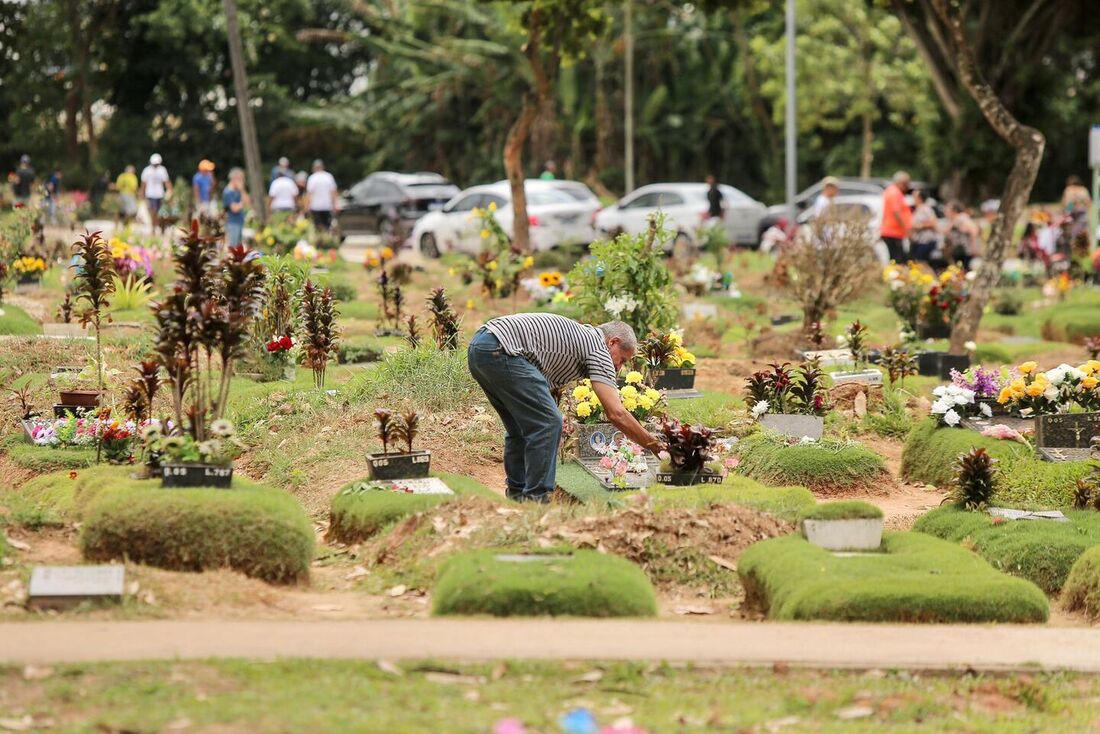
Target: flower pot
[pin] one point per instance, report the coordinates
(673, 378)
(844, 535)
(29, 279)
(949, 362)
(688, 478)
(794, 424)
(80, 398)
(935, 330)
(593, 438)
(863, 377)
(415, 465)
(928, 363)
(70, 331)
(182, 476)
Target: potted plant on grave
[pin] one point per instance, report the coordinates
(117, 439)
(855, 339)
(320, 335)
(204, 325)
(843, 526)
(22, 399)
(668, 365)
(691, 456)
(591, 429)
(80, 391)
(93, 285)
(789, 401)
(393, 431)
(28, 270)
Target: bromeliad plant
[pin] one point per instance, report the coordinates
(975, 472)
(320, 335)
(93, 285)
(642, 402)
(787, 390)
(855, 339)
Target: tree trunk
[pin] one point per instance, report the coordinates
(867, 154)
(1028, 144)
(513, 168)
(249, 140)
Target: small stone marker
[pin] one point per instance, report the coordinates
(829, 357)
(794, 425)
(1007, 514)
(429, 485)
(59, 587)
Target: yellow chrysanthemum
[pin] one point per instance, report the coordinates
(387, 253)
(1004, 396)
(629, 391)
(492, 206)
(583, 410)
(633, 377)
(645, 403)
(484, 234)
(1089, 383)
(630, 404)
(1034, 389)
(580, 392)
(652, 394)
(528, 262)
(492, 265)
(1028, 367)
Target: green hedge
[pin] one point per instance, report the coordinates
(583, 584)
(823, 465)
(918, 579)
(1038, 550)
(356, 516)
(258, 531)
(41, 459)
(1081, 592)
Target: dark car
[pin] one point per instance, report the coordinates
(388, 204)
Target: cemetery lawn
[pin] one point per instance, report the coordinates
(342, 696)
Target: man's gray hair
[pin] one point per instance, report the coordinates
(621, 331)
(901, 176)
(236, 171)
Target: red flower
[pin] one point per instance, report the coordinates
(72, 475)
(273, 346)
(286, 342)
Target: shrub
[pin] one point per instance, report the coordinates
(930, 451)
(1040, 551)
(1081, 592)
(921, 579)
(356, 516)
(1071, 322)
(252, 529)
(843, 510)
(582, 584)
(823, 465)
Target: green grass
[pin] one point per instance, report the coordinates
(917, 579)
(785, 502)
(338, 696)
(1038, 550)
(578, 583)
(259, 531)
(843, 510)
(1072, 322)
(714, 409)
(430, 379)
(16, 322)
(1029, 482)
(356, 516)
(42, 459)
(823, 465)
(364, 310)
(1081, 592)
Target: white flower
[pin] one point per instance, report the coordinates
(951, 418)
(986, 410)
(940, 391)
(841, 340)
(941, 406)
(1051, 393)
(972, 275)
(896, 285)
(806, 440)
(962, 396)
(760, 408)
(1025, 412)
(622, 303)
(971, 346)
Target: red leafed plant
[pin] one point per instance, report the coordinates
(320, 336)
(690, 448)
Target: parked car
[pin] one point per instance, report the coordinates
(559, 213)
(389, 204)
(685, 208)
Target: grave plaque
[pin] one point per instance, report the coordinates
(829, 357)
(1009, 514)
(1066, 431)
(429, 485)
(633, 480)
(59, 587)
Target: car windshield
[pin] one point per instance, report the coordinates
(544, 197)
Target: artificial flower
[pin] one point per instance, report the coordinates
(951, 418)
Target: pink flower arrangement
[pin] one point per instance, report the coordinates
(1003, 432)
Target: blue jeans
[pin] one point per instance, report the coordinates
(234, 232)
(532, 423)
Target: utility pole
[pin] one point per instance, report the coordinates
(244, 110)
(792, 147)
(628, 95)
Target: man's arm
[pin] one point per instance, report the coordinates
(622, 419)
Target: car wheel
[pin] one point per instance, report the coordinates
(428, 245)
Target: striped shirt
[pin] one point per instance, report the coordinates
(563, 350)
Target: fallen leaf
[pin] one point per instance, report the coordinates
(356, 573)
(855, 712)
(728, 565)
(398, 590)
(17, 544)
(694, 609)
(387, 667)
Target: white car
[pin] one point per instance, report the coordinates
(559, 213)
(686, 210)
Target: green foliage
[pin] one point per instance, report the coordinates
(930, 451)
(130, 294)
(319, 333)
(630, 267)
(1071, 322)
(41, 459)
(823, 465)
(892, 419)
(16, 322)
(1038, 550)
(920, 579)
(580, 584)
(1081, 592)
(784, 502)
(975, 472)
(252, 529)
(843, 510)
(430, 379)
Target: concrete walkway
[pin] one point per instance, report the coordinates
(928, 647)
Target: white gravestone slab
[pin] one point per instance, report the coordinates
(61, 586)
(428, 485)
(829, 357)
(1008, 514)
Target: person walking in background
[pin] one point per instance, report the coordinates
(716, 202)
(127, 185)
(961, 243)
(549, 171)
(202, 189)
(282, 196)
(23, 184)
(925, 236)
(830, 187)
(236, 202)
(300, 179)
(897, 219)
(321, 196)
(53, 192)
(156, 186)
(280, 170)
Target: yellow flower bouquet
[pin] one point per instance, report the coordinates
(642, 402)
(29, 266)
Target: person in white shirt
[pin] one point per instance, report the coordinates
(321, 196)
(282, 195)
(156, 186)
(829, 189)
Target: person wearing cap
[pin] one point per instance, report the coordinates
(283, 169)
(830, 187)
(127, 185)
(321, 196)
(156, 186)
(202, 189)
(23, 184)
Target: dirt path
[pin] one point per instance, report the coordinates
(928, 647)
